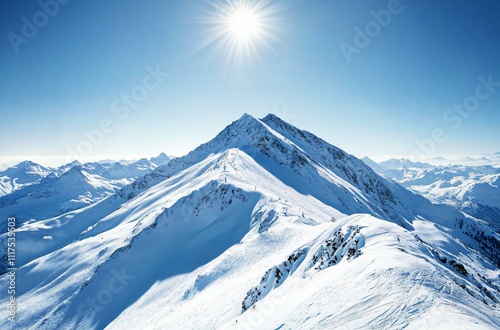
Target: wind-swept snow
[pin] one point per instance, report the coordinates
(264, 227)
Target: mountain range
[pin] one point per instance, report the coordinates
(31, 192)
(474, 190)
(266, 226)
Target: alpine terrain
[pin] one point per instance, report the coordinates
(474, 189)
(264, 227)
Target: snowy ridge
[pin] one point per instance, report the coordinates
(34, 193)
(356, 188)
(273, 278)
(471, 189)
(260, 218)
(329, 253)
(53, 195)
(335, 248)
(21, 175)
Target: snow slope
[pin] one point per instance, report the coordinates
(127, 171)
(33, 192)
(472, 189)
(21, 175)
(264, 227)
(54, 195)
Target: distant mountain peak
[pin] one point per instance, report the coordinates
(74, 172)
(370, 162)
(26, 164)
(260, 204)
(398, 163)
(73, 163)
(161, 159)
(142, 161)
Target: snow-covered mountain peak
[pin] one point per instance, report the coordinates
(161, 159)
(27, 168)
(54, 195)
(262, 211)
(403, 163)
(370, 162)
(286, 151)
(75, 171)
(240, 133)
(74, 163)
(21, 175)
(24, 164)
(272, 138)
(77, 177)
(469, 188)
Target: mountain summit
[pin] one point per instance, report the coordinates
(283, 149)
(21, 175)
(265, 226)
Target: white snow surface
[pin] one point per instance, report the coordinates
(472, 189)
(53, 195)
(264, 227)
(31, 192)
(21, 175)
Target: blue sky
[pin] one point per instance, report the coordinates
(61, 83)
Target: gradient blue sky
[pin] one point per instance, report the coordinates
(65, 79)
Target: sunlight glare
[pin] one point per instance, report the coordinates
(242, 29)
(243, 24)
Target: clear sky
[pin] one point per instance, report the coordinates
(374, 78)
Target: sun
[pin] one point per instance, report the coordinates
(243, 24)
(242, 30)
